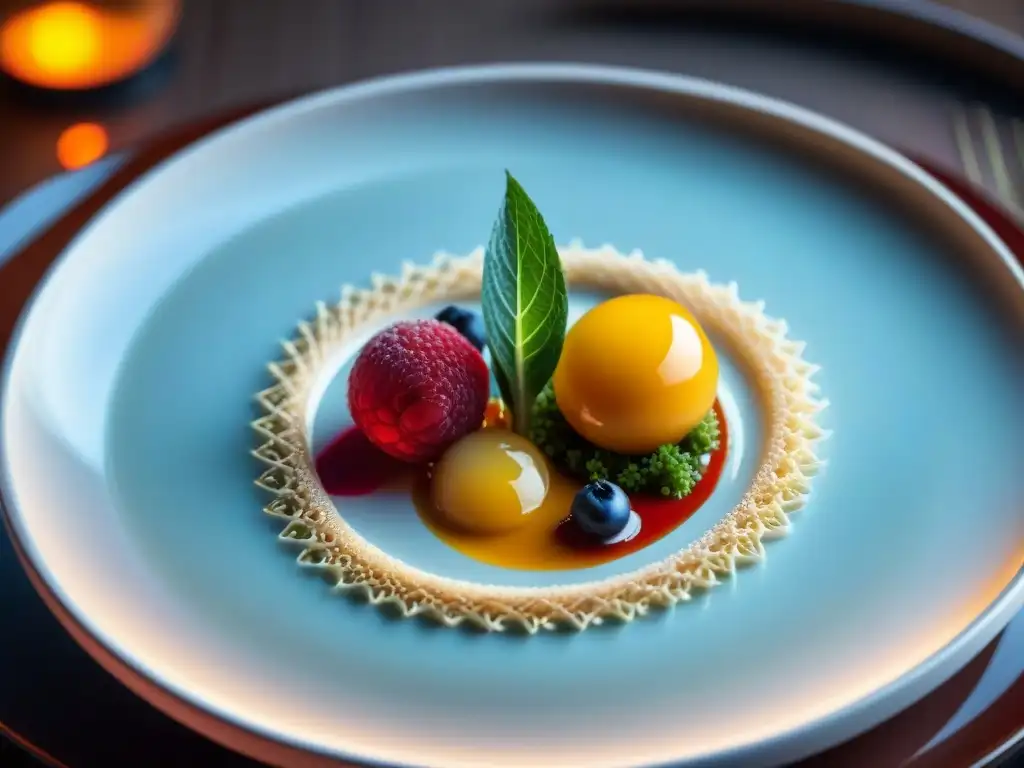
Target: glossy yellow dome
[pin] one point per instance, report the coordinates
(636, 372)
(489, 482)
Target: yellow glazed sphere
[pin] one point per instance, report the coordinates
(636, 372)
(489, 482)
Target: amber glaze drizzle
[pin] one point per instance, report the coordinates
(551, 542)
(351, 466)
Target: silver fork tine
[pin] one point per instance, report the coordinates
(996, 159)
(991, 144)
(965, 145)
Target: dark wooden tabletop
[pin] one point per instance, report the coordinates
(229, 53)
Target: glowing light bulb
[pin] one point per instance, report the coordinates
(63, 38)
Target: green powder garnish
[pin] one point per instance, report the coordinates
(671, 470)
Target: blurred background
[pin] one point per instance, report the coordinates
(202, 57)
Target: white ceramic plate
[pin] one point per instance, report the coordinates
(128, 393)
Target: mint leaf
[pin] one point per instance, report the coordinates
(525, 306)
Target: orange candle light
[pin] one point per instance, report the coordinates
(81, 144)
(68, 45)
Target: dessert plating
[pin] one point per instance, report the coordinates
(675, 394)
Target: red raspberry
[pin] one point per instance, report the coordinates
(416, 388)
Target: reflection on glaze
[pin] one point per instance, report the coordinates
(684, 357)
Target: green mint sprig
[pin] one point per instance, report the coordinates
(525, 306)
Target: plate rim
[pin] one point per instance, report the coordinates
(152, 684)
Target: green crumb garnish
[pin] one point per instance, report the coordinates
(671, 471)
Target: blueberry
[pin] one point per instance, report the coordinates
(469, 324)
(601, 509)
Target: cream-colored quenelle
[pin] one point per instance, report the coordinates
(780, 485)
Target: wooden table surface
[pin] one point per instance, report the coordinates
(230, 53)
